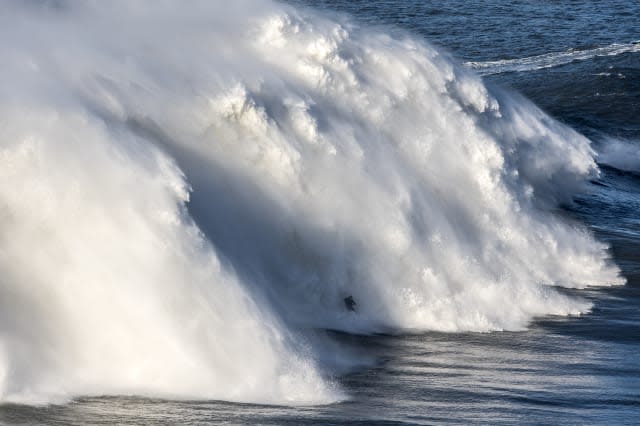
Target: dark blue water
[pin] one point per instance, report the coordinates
(561, 370)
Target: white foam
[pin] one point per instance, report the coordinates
(109, 287)
(550, 60)
(185, 189)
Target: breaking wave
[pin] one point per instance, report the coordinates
(550, 60)
(620, 153)
(187, 192)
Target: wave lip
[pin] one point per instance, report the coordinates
(550, 60)
(621, 154)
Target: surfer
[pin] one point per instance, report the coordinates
(350, 303)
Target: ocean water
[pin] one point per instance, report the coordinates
(188, 193)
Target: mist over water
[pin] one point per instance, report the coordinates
(186, 193)
(621, 154)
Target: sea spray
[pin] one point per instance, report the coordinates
(109, 288)
(187, 189)
(619, 153)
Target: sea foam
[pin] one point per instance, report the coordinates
(552, 59)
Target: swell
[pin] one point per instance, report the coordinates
(550, 60)
(188, 192)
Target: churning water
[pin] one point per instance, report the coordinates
(190, 191)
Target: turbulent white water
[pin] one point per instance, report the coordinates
(186, 189)
(553, 59)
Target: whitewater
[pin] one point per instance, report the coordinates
(188, 192)
(551, 60)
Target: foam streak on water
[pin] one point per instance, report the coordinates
(185, 190)
(550, 60)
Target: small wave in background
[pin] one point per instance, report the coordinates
(621, 154)
(550, 60)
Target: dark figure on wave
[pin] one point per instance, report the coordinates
(350, 303)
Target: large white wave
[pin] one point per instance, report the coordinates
(187, 187)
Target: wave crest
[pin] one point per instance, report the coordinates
(551, 60)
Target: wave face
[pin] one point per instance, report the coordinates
(187, 191)
(550, 60)
(621, 154)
